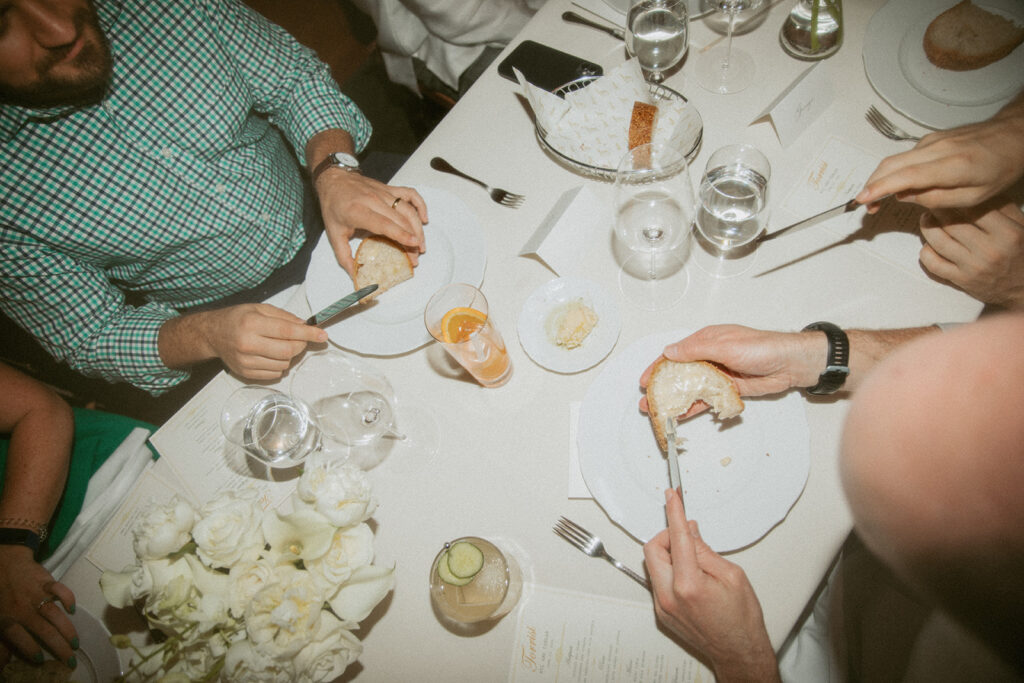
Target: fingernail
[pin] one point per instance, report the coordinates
(74, 643)
(71, 610)
(72, 662)
(38, 657)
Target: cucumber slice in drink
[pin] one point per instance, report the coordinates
(446, 575)
(465, 560)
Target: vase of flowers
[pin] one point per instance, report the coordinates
(233, 592)
(813, 29)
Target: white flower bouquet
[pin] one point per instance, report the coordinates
(243, 594)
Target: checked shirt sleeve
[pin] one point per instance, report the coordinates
(290, 84)
(96, 333)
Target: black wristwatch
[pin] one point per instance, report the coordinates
(11, 536)
(837, 366)
(336, 160)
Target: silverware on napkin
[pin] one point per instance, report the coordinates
(324, 316)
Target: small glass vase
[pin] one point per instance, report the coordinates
(813, 29)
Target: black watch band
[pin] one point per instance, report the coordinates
(25, 537)
(837, 367)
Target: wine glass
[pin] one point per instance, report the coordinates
(656, 34)
(356, 409)
(732, 210)
(722, 69)
(275, 428)
(654, 211)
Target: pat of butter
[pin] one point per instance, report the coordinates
(570, 323)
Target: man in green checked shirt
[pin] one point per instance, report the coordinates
(151, 190)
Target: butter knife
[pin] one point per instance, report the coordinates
(845, 207)
(673, 455)
(324, 316)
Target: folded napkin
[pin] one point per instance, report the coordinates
(107, 488)
(591, 125)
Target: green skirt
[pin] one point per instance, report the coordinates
(97, 435)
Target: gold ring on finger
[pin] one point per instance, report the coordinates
(46, 601)
(395, 203)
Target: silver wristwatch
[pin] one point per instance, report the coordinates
(337, 160)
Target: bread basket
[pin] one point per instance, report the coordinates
(659, 93)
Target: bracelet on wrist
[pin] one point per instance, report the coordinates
(837, 364)
(41, 529)
(13, 536)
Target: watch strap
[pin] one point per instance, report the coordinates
(25, 537)
(837, 365)
(331, 161)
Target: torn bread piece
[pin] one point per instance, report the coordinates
(674, 387)
(383, 262)
(967, 37)
(641, 124)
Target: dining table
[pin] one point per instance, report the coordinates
(505, 457)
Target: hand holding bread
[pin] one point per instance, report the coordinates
(674, 387)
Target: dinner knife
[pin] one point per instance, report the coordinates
(845, 207)
(673, 456)
(324, 316)
(577, 19)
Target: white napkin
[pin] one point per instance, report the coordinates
(591, 125)
(107, 487)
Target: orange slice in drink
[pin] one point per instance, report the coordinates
(459, 324)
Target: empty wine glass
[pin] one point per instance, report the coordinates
(273, 427)
(722, 69)
(356, 409)
(656, 34)
(654, 211)
(733, 209)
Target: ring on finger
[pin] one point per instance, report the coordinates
(395, 203)
(45, 601)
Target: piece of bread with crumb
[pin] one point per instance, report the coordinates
(641, 124)
(383, 262)
(967, 37)
(674, 387)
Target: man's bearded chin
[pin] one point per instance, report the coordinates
(86, 85)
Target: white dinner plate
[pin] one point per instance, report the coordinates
(535, 323)
(97, 658)
(393, 322)
(740, 477)
(900, 72)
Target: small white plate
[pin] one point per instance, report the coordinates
(537, 340)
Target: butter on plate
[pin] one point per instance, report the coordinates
(569, 324)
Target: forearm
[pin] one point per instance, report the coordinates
(867, 348)
(184, 341)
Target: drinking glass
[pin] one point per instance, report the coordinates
(357, 410)
(458, 318)
(733, 209)
(490, 593)
(271, 426)
(722, 69)
(654, 211)
(656, 34)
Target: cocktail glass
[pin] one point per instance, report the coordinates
(490, 593)
(457, 316)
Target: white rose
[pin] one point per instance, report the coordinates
(333, 648)
(244, 663)
(248, 578)
(122, 589)
(360, 594)
(341, 493)
(173, 595)
(163, 529)
(283, 617)
(350, 549)
(228, 530)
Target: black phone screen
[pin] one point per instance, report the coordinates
(546, 67)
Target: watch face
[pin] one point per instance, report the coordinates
(345, 160)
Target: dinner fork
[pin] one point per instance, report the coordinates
(503, 197)
(887, 127)
(592, 545)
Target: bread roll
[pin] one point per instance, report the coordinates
(966, 37)
(674, 387)
(383, 262)
(641, 124)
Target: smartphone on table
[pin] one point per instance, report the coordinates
(546, 67)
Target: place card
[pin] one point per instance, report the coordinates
(566, 233)
(574, 637)
(800, 103)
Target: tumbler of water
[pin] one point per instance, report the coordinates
(273, 427)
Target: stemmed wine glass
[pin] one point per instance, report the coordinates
(656, 34)
(722, 69)
(733, 209)
(654, 211)
(356, 409)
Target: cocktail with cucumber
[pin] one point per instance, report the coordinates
(472, 580)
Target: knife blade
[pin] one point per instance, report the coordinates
(673, 455)
(845, 207)
(340, 305)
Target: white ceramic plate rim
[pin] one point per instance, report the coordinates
(95, 653)
(544, 300)
(736, 503)
(393, 323)
(899, 71)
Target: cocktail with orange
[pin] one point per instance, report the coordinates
(457, 317)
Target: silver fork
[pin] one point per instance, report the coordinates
(887, 127)
(503, 197)
(592, 545)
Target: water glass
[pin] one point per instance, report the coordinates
(488, 590)
(657, 34)
(273, 427)
(458, 318)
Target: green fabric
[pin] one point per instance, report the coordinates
(97, 435)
